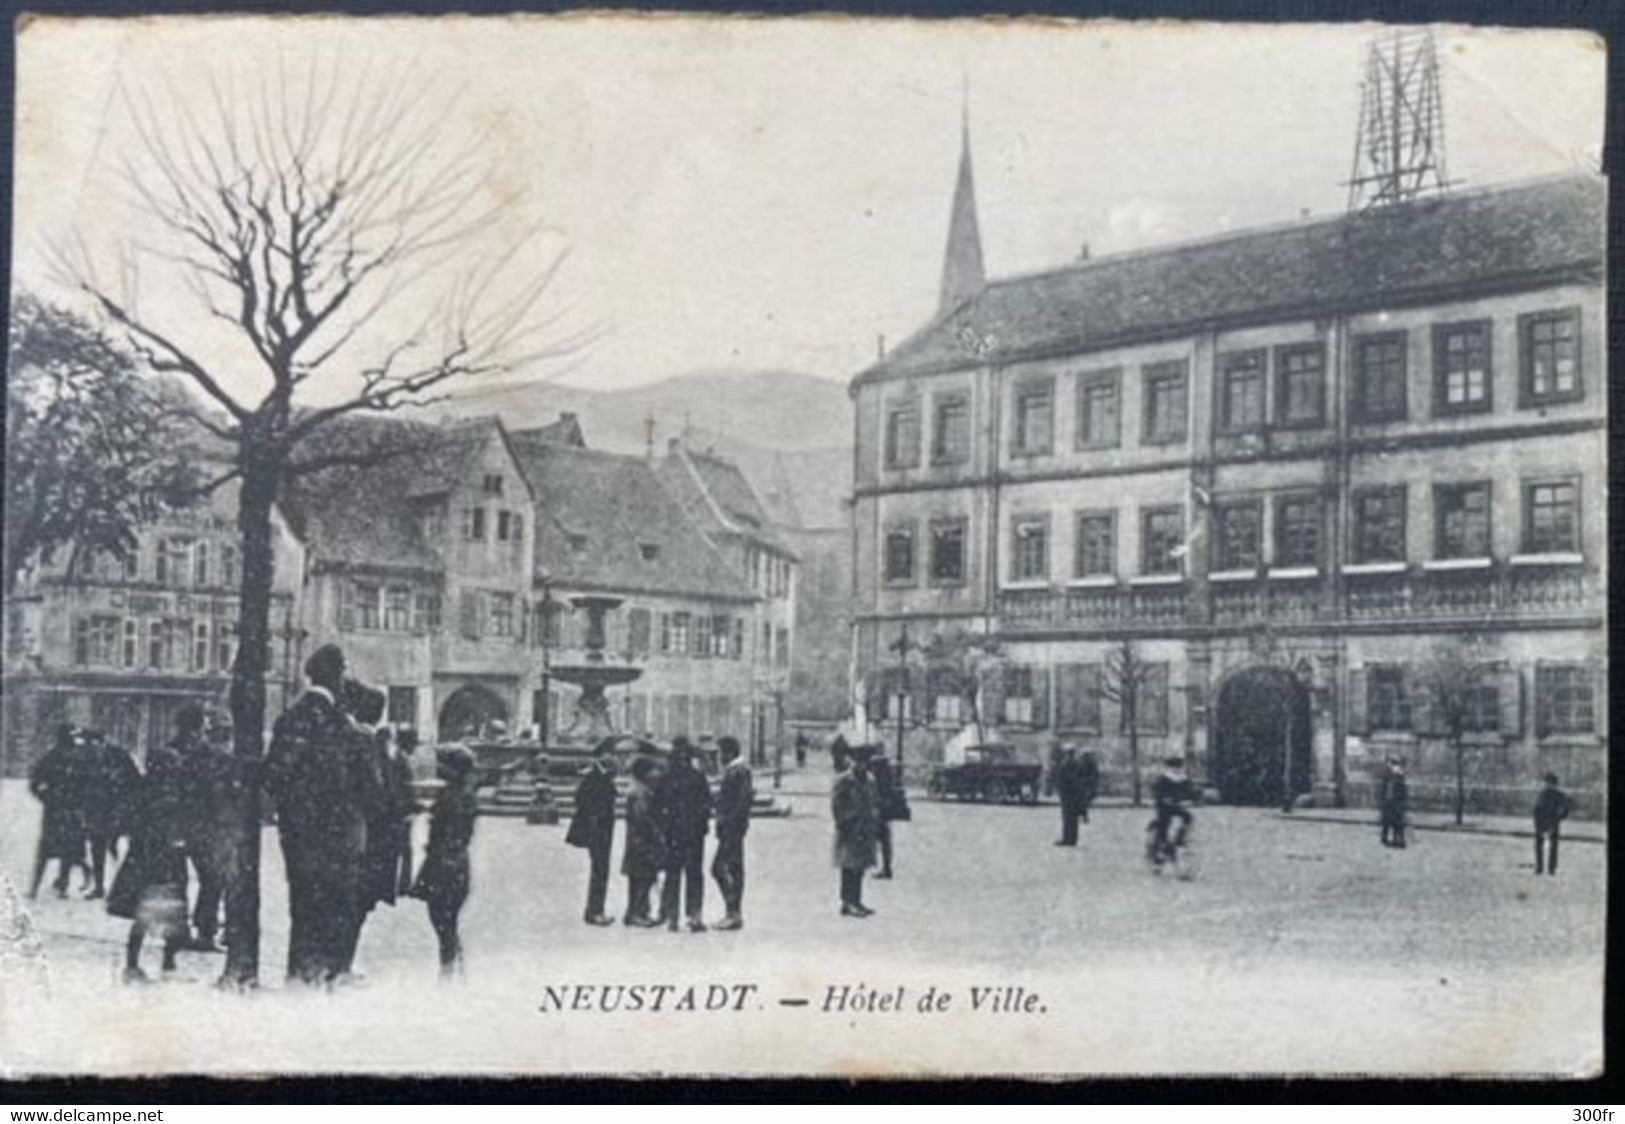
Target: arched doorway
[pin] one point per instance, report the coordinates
(1262, 737)
(468, 709)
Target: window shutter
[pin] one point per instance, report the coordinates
(1041, 717)
(1543, 706)
(1068, 688)
(468, 614)
(1599, 699)
(1359, 711)
(1509, 694)
(346, 605)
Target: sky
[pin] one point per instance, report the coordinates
(774, 193)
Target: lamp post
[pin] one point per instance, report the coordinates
(902, 646)
(545, 718)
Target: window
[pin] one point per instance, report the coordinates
(680, 635)
(638, 630)
(471, 614)
(947, 551)
(649, 551)
(1551, 358)
(721, 631)
(492, 485)
(366, 604)
(402, 709)
(900, 554)
(1481, 703)
(398, 609)
(130, 649)
(1461, 368)
(950, 430)
(200, 564)
(1379, 377)
(1099, 421)
(502, 619)
(95, 640)
(781, 647)
(162, 638)
(474, 524)
(1551, 517)
(1297, 531)
(1388, 705)
(504, 525)
(947, 701)
(1164, 402)
(228, 566)
(1077, 698)
(1379, 525)
(1241, 392)
(1162, 540)
(892, 697)
(1238, 534)
(1462, 512)
(174, 557)
(903, 435)
(1096, 547)
(1018, 696)
(1300, 385)
(225, 647)
(739, 638)
(1149, 699)
(200, 646)
(1034, 418)
(432, 524)
(1565, 699)
(228, 558)
(516, 528)
(426, 612)
(1029, 547)
(702, 636)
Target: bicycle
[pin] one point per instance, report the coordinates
(1172, 852)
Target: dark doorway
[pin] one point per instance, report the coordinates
(470, 710)
(1262, 738)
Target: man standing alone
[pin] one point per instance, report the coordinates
(593, 827)
(733, 821)
(1551, 809)
(1065, 780)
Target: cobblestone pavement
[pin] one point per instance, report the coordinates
(1302, 946)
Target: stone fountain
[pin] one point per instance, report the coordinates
(594, 674)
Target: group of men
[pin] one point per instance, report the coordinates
(670, 811)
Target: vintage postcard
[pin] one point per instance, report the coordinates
(674, 544)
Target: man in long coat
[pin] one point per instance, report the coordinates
(321, 770)
(685, 804)
(592, 827)
(644, 854)
(110, 795)
(855, 803)
(208, 818)
(1065, 779)
(733, 821)
(57, 781)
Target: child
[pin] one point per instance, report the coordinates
(443, 879)
(1551, 809)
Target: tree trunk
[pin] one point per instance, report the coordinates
(1461, 780)
(258, 495)
(1134, 741)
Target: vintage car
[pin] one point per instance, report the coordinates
(995, 772)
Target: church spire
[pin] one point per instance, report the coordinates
(962, 272)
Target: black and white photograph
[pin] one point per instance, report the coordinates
(658, 544)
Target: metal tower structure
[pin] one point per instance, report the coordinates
(1399, 149)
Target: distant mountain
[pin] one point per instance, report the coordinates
(790, 432)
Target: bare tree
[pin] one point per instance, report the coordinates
(1123, 679)
(1451, 690)
(93, 450)
(338, 234)
(963, 659)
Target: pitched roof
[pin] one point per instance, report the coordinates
(1487, 237)
(716, 494)
(565, 431)
(613, 506)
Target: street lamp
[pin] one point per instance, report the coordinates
(902, 646)
(545, 719)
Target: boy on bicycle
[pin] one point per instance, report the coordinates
(1170, 792)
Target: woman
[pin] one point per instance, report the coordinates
(150, 888)
(443, 880)
(645, 843)
(855, 804)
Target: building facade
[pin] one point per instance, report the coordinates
(1285, 502)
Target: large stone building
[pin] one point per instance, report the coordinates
(1299, 473)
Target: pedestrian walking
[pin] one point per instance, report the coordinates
(109, 796)
(645, 849)
(685, 804)
(893, 808)
(855, 806)
(149, 890)
(1551, 809)
(1393, 799)
(321, 770)
(57, 781)
(801, 749)
(592, 828)
(443, 881)
(209, 796)
(733, 821)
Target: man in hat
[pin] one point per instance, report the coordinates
(855, 805)
(1064, 779)
(1551, 809)
(1393, 798)
(208, 809)
(1170, 792)
(57, 781)
(733, 821)
(685, 803)
(321, 770)
(593, 827)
